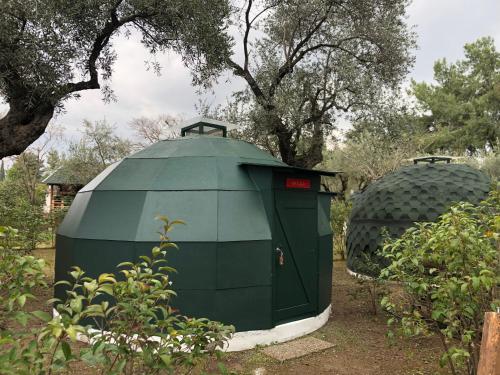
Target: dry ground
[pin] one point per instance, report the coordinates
(360, 346)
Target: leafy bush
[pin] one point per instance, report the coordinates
(370, 290)
(339, 214)
(27, 216)
(450, 275)
(54, 219)
(137, 330)
(19, 276)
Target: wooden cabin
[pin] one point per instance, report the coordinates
(61, 190)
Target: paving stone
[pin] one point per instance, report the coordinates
(296, 348)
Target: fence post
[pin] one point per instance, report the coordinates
(489, 360)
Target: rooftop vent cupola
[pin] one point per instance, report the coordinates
(204, 126)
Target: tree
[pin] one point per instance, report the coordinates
(367, 158)
(2, 171)
(28, 167)
(22, 197)
(98, 148)
(316, 59)
(104, 143)
(27, 173)
(392, 117)
(152, 130)
(53, 161)
(461, 112)
(52, 50)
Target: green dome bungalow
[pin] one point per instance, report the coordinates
(419, 192)
(244, 210)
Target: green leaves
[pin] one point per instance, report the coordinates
(449, 270)
(65, 42)
(91, 286)
(464, 103)
(42, 315)
(128, 313)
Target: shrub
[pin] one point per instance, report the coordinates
(54, 219)
(340, 211)
(19, 276)
(137, 330)
(370, 290)
(26, 216)
(450, 274)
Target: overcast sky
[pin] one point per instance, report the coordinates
(443, 27)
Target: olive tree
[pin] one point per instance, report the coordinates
(50, 50)
(366, 159)
(306, 62)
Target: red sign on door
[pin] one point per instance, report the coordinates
(298, 183)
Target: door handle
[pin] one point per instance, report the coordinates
(281, 256)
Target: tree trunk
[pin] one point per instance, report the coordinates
(344, 183)
(489, 360)
(19, 128)
(313, 155)
(310, 157)
(285, 142)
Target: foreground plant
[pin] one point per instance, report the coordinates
(450, 275)
(340, 211)
(370, 290)
(19, 276)
(127, 320)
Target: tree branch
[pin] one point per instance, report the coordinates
(248, 26)
(100, 43)
(263, 11)
(291, 61)
(254, 86)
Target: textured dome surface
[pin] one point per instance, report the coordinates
(414, 193)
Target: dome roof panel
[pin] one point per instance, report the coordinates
(73, 218)
(190, 173)
(116, 211)
(242, 217)
(100, 177)
(230, 175)
(203, 146)
(197, 208)
(189, 163)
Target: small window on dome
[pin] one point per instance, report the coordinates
(205, 130)
(201, 126)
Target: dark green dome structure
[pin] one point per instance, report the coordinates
(243, 209)
(420, 192)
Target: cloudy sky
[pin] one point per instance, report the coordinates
(443, 27)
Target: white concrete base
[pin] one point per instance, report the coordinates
(249, 339)
(358, 275)
(281, 333)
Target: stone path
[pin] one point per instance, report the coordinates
(296, 348)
